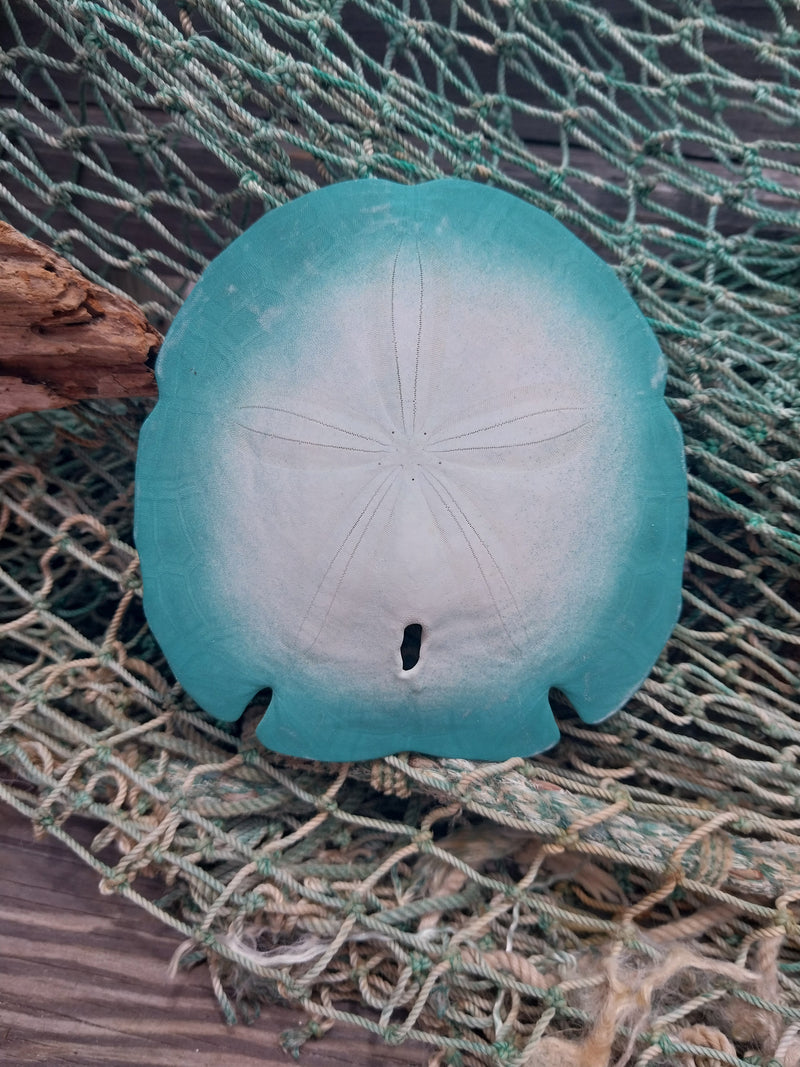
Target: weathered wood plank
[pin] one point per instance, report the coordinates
(83, 979)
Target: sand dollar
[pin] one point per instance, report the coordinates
(411, 467)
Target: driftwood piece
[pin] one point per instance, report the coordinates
(63, 338)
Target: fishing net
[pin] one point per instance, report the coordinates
(630, 896)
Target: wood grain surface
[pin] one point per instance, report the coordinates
(63, 338)
(83, 980)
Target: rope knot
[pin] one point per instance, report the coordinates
(354, 907)
(250, 182)
(265, 866)
(73, 138)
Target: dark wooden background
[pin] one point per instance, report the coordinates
(83, 980)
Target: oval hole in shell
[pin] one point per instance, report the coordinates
(412, 643)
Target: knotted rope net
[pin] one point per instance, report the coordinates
(630, 897)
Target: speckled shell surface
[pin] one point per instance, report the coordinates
(385, 406)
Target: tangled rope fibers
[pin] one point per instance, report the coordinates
(630, 897)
